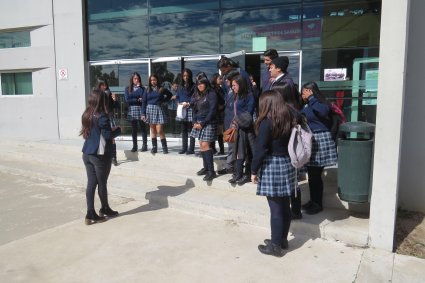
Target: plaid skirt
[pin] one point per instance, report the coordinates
(134, 113)
(189, 116)
(277, 177)
(155, 115)
(323, 152)
(207, 133)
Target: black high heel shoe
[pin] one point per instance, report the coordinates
(92, 218)
(107, 212)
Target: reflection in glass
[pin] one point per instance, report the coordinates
(230, 4)
(280, 26)
(118, 39)
(184, 34)
(15, 39)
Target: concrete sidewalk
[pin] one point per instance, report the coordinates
(172, 228)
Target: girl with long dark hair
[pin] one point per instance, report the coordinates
(153, 112)
(133, 96)
(323, 154)
(276, 179)
(204, 102)
(244, 106)
(97, 154)
(184, 94)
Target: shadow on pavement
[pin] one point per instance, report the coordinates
(159, 199)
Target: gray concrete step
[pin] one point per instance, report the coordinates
(171, 180)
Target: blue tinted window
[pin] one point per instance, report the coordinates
(280, 28)
(15, 39)
(125, 38)
(184, 34)
(16, 83)
(249, 3)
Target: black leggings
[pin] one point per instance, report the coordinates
(98, 168)
(280, 218)
(315, 184)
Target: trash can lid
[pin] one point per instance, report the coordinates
(357, 127)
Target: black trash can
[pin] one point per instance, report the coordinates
(355, 154)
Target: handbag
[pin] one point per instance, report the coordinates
(231, 133)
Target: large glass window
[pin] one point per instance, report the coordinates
(260, 29)
(184, 34)
(232, 4)
(15, 39)
(123, 38)
(16, 83)
(339, 24)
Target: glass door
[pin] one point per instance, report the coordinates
(118, 73)
(168, 70)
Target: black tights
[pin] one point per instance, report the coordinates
(134, 131)
(315, 184)
(280, 218)
(98, 168)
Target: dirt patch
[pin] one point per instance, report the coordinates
(410, 233)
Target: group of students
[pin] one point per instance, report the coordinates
(264, 120)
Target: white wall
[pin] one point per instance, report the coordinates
(54, 110)
(391, 90)
(30, 116)
(412, 169)
(70, 54)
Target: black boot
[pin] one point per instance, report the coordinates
(220, 144)
(144, 137)
(184, 142)
(154, 145)
(204, 169)
(92, 217)
(164, 146)
(191, 149)
(114, 154)
(239, 172)
(271, 249)
(134, 136)
(296, 205)
(107, 212)
(209, 158)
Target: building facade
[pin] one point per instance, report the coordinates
(52, 52)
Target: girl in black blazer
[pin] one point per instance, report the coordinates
(97, 154)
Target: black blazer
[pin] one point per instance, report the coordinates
(100, 125)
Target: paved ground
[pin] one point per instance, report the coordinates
(44, 240)
(43, 237)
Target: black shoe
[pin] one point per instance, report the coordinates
(271, 249)
(92, 218)
(154, 150)
(134, 149)
(307, 205)
(225, 171)
(183, 151)
(165, 150)
(144, 148)
(189, 152)
(296, 216)
(114, 161)
(283, 246)
(209, 176)
(314, 209)
(243, 180)
(201, 172)
(107, 212)
(235, 179)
